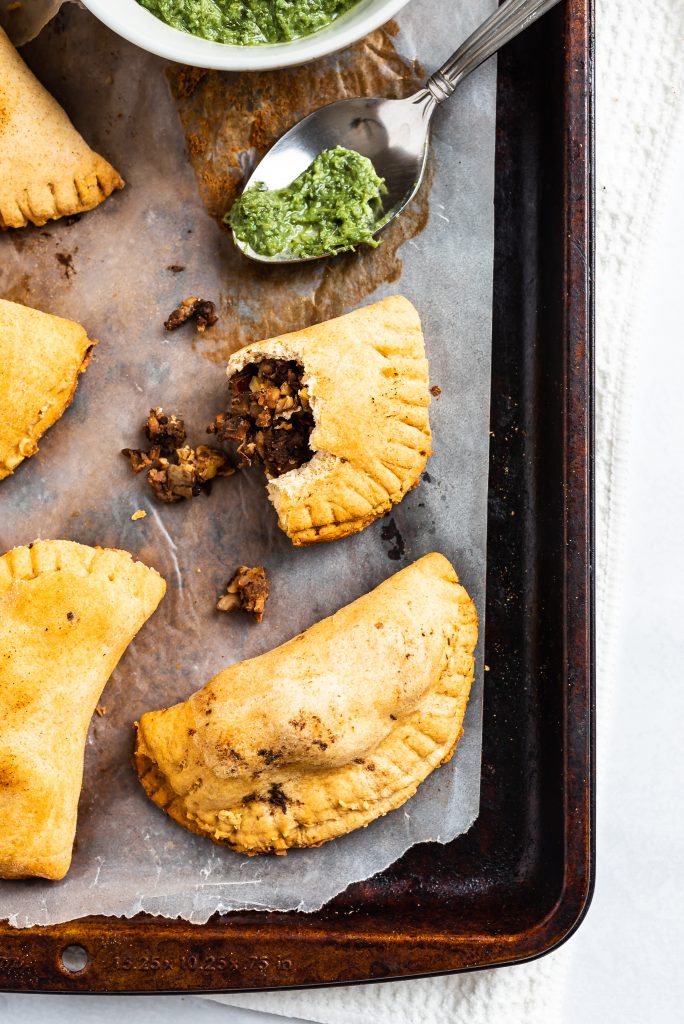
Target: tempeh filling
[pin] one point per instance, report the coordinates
(270, 419)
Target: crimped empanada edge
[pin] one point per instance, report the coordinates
(30, 561)
(89, 188)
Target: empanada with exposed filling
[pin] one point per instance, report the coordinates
(338, 416)
(326, 733)
(67, 614)
(46, 169)
(41, 358)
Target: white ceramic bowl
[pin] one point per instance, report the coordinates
(133, 22)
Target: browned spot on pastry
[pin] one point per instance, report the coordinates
(269, 756)
(228, 753)
(230, 121)
(10, 774)
(277, 797)
(5, 109)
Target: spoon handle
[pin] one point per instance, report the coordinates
(507, 21)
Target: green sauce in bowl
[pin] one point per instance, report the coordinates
(336, 204)
(248, 22)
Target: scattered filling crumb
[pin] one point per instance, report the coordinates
(140, 514)
(165, 431)
(270, 419)
(435, 390)
(248, 590)
(175, 471)
(201, 311)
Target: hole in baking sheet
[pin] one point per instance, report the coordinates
(74, 959)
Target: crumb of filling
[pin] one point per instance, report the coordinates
(175, 471)
(202, 311)
(270, 418)
(248, 590)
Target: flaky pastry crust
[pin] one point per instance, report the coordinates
(67, 614)
(326, 733)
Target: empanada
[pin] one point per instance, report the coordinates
(67, 614)
(41, 357)
(46, 169)
(327, 732)
(338, 415)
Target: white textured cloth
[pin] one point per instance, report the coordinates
(640, 111)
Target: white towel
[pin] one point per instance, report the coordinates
(640, 108)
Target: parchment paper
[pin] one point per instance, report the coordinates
(109, 271)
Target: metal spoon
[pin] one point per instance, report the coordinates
(393, 134)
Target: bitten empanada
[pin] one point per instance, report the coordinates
(46, 169)
(337, 414)
(326, 733)
(41, 358)
(67, 614)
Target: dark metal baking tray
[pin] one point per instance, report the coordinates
(519, 882)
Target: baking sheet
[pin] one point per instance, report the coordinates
(109, 270)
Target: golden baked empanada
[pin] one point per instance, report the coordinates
(67, 614)
(41, 357)
(338, 415)
(327, 732)
(46, 169)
